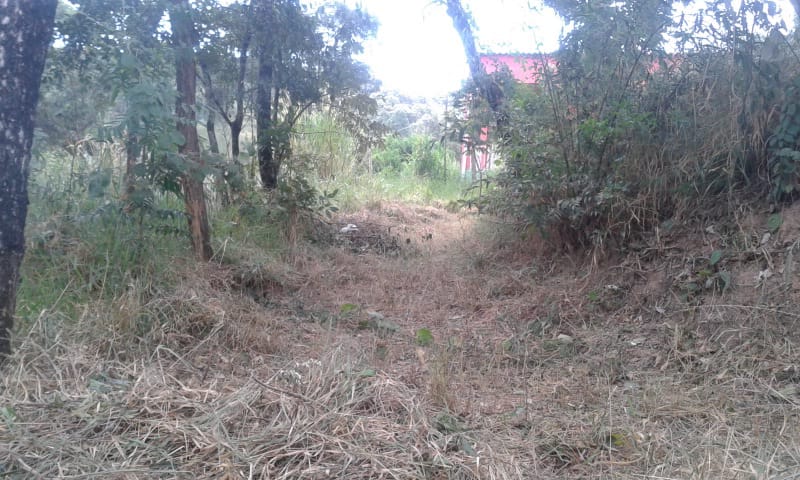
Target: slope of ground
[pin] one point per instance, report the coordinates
(420, 345)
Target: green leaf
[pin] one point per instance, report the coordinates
(424, 337)
(726, 279)
(466, 447)
(347, 308)
(367, 373)
(716, 256)
(774, 222)
(8, 414)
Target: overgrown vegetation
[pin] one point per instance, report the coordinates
(353, 322)
(641, 118)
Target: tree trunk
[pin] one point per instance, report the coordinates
(267, 163)
(183, 36)
(238, 120)
(236, 132)
(213, 145)
(27, 28)
(267, 166)
(211, 130)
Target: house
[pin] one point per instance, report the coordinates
(524, 68)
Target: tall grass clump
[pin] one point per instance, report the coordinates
(345, 169)
(417, 169)
(321, 145)
(85, 245)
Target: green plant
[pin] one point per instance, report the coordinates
(611, 142)
(424, 337)
(784, 164)
(422, 155)
(301, 202)
(708, 275)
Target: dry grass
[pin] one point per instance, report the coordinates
(539, 369)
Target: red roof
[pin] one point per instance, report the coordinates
(525, 68)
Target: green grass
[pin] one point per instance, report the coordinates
(249, 226)
(73, 260)
(365, 190)
(84, 250)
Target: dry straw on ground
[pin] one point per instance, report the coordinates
(311, 367)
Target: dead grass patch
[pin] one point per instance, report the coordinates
(538, 368)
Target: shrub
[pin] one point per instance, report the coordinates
(622, 135)
(423, 155)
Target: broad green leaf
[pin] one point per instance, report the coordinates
(716, 256)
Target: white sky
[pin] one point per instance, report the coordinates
(418, 52)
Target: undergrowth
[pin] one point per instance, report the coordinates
(364, 190)
(620, 134)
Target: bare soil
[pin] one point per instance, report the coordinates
(426, 344)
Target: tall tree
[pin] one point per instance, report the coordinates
(24, 39)
(223, 59)
(303, 60)
(184, 39)
(268, 168)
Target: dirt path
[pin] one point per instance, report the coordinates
(575, 372)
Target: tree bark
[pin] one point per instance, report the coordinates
(211, 130)
(27, 28)
(213, 146)
(238, 120)
(267, 163)
(184, 39)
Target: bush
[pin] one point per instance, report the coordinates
(621, 135)
(422, 155)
